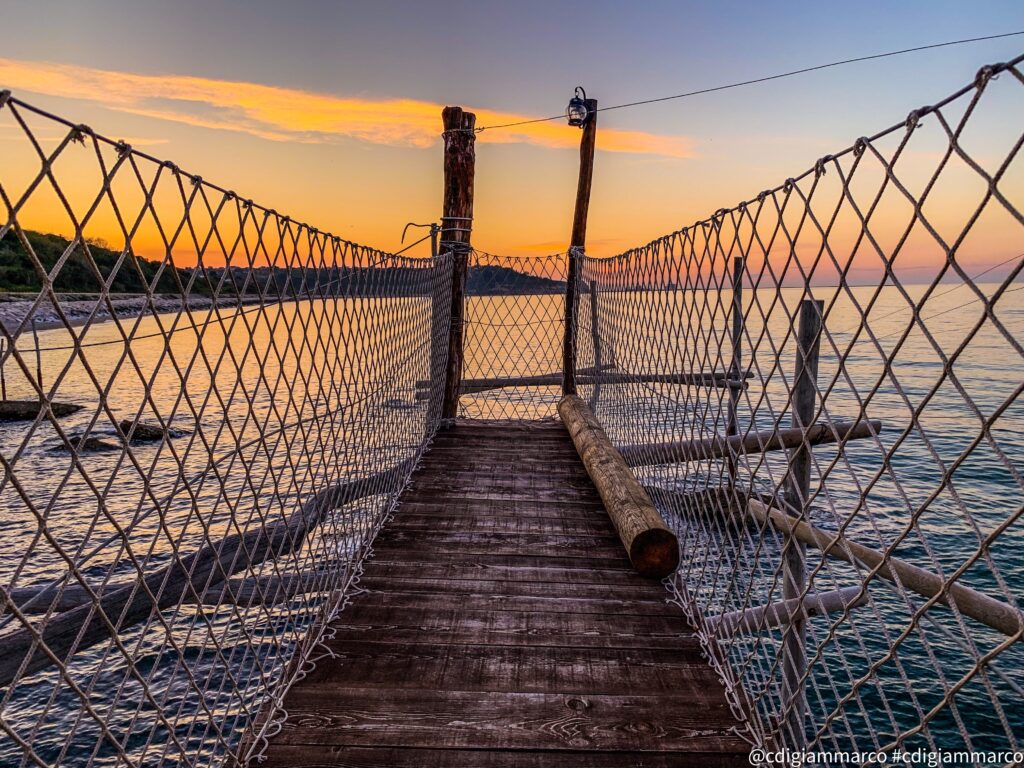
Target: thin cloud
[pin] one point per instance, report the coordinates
(287, 114)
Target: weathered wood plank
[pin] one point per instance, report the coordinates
(501, 624)
(510, 668)
(488, 720)
(521, 588)
(456, 626)
(333, 756)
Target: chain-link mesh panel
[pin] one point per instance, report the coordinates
(515, 315)
(190, 486)
(790, 380)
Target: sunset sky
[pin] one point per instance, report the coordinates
(330, 111)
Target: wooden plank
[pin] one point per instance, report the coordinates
(519, 571)
(456, 626)
(499, 542)
(473, 601)
(503, 523)
(522, 588)
(333, 756)
(489, 720)
(500, 623)
(514, 669)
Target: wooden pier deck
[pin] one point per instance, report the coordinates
(504, 626)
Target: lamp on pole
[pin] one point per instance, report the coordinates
(582, 113)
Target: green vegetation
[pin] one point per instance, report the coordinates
(18, 272)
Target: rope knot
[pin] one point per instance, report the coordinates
(170, 166)
(859, 146)
(196, 180)
(913, 119)
(986, 73)
(79, 132)
(788, 185)
(122, 148)
(819, 165)
(762, 195)
(230, 195)
(4, 96)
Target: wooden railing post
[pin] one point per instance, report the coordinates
(797, 488)
(732, 424)
(456, 227)
(576, 247)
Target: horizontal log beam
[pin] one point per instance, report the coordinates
(252, 590)
(589, 376)
(69, 632)
(652, 546)
(717, 447)
(980, 607)
(783, 612)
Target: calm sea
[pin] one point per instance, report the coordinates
(951, 454)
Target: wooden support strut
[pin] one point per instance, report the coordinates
(647, 454)
(577, 243)
(652, 546)
(777, 614)
(978, 606)
(456, 226)
(64, 634)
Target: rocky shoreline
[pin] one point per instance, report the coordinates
(78, 308)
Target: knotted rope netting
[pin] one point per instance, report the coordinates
(190, 487)
(786, 384)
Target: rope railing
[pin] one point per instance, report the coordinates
(203, 425)
(837, 443)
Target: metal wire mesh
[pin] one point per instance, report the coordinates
(911, 480)
(189, 487)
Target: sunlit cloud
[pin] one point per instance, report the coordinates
(287, 114)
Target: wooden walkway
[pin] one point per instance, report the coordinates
(504, 626)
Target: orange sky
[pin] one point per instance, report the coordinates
(361, 167)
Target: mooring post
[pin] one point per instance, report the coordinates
(456, 226)
(732, 425)
(577, 244)
(797, 488)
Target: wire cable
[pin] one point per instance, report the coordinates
(767, 78)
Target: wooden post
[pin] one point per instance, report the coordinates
(456, 226)
(595, 340)
(732, 425)
(797, 487)
(577, 243)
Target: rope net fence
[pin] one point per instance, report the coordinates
(205, 421)
(514, 327)
(832, 424)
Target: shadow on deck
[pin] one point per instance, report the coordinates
(504, 626)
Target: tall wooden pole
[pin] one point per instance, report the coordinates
(798, 484)
(456, 226)
(577, 243)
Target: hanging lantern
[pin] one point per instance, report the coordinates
(577, 111)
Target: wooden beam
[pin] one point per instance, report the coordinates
(590, 376)
(70, 632)
(718, 447)
(782, 612)
(456, 227)
(577, 244)
(980, 607)
(252, 590)
(652, 546)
